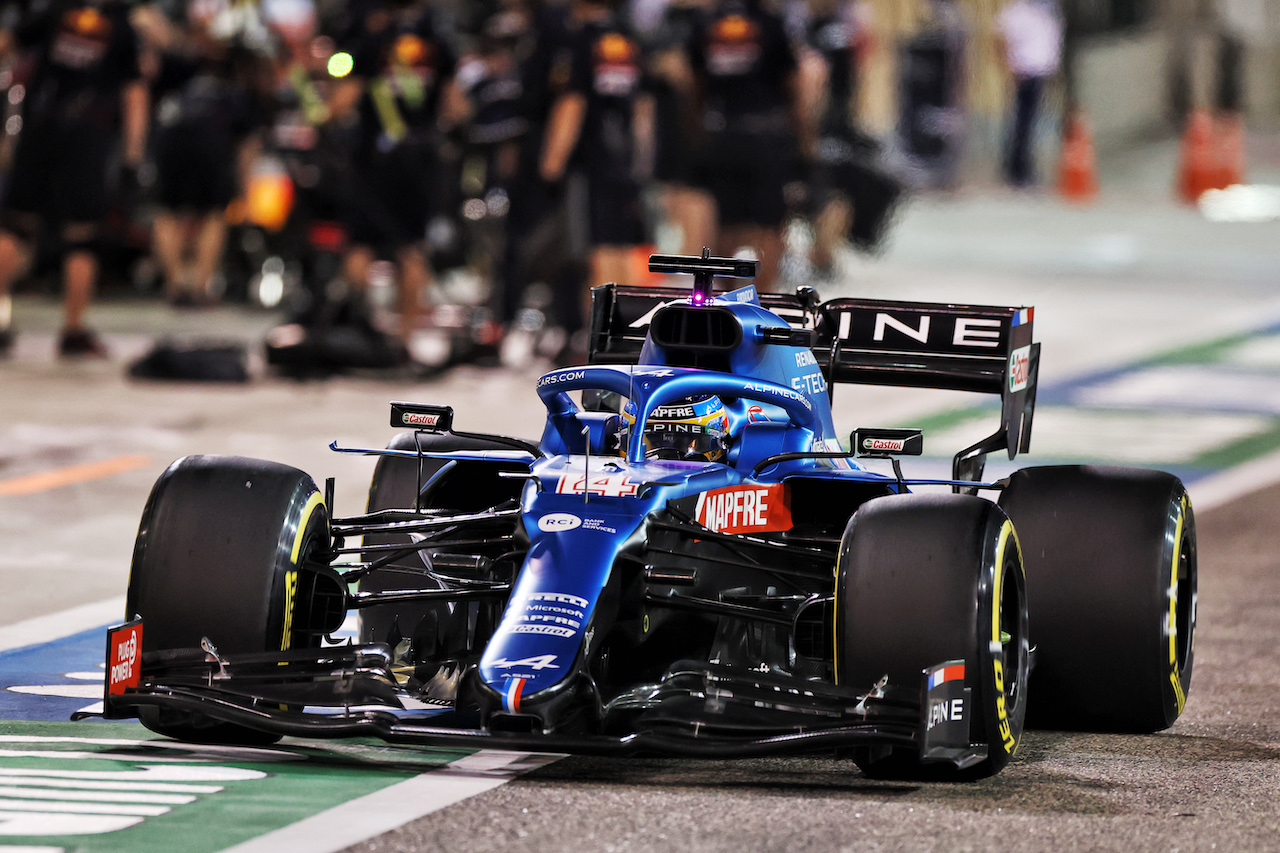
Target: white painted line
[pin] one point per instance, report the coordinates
(26, 792)
(382, 811)
(55, 626)
(29, 777)
(1225, 486)
(83, 808)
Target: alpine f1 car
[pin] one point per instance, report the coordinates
(689, 561)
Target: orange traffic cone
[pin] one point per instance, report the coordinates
(1198, 171)
(1230, 159)
(1077, 169)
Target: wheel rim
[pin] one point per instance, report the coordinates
(1013, 626)
(1184, 601)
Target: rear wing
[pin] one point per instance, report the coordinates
(980, 348)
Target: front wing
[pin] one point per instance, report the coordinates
(697, 709)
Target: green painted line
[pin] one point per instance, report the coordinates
(270, 788)
(1238, 452)
(1205, 352)
(947, 419)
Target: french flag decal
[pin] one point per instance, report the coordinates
(1024, 316)
(511, 694)
(949, 673)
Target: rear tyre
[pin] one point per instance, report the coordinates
(925, 579)
(219, 552)
(1112, 573)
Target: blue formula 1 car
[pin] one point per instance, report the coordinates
(690, 561)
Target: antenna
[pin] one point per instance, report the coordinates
(586, 464)
(702, 281)
(703, 269)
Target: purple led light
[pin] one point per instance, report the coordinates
(698, 298)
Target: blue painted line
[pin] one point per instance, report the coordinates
(1068, 393)
(46, 665)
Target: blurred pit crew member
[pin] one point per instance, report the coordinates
(85, 89)
(537, 249)
(1030, 32)
(695, 429)
(747, 68)
(402, 87)
(677, 128)
(496, 130)
(847, 191)
(599, 142)
(205, 115)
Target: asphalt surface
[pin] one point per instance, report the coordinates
(1209, 783)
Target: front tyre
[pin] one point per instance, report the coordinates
(925, 579)
(220, 550)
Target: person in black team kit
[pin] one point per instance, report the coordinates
(401, 84)
(747, 68)
(204, 117)
(598, 134)
(85, 89)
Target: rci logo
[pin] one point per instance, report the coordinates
(558, 522)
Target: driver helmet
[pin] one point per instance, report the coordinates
(694, 428)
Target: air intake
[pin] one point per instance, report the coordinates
(712, 328)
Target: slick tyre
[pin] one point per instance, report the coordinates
(447, 485)
(925, 579)
(219, 552)
(1111, 580)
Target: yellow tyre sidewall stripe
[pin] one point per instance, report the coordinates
(291, 576)
(1175, 677)
(1007, 738)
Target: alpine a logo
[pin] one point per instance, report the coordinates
(420, 419)
(558, 522)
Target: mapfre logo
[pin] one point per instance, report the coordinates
(745, 509)
(419, 419)
(558, 522)
(1019, 369)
